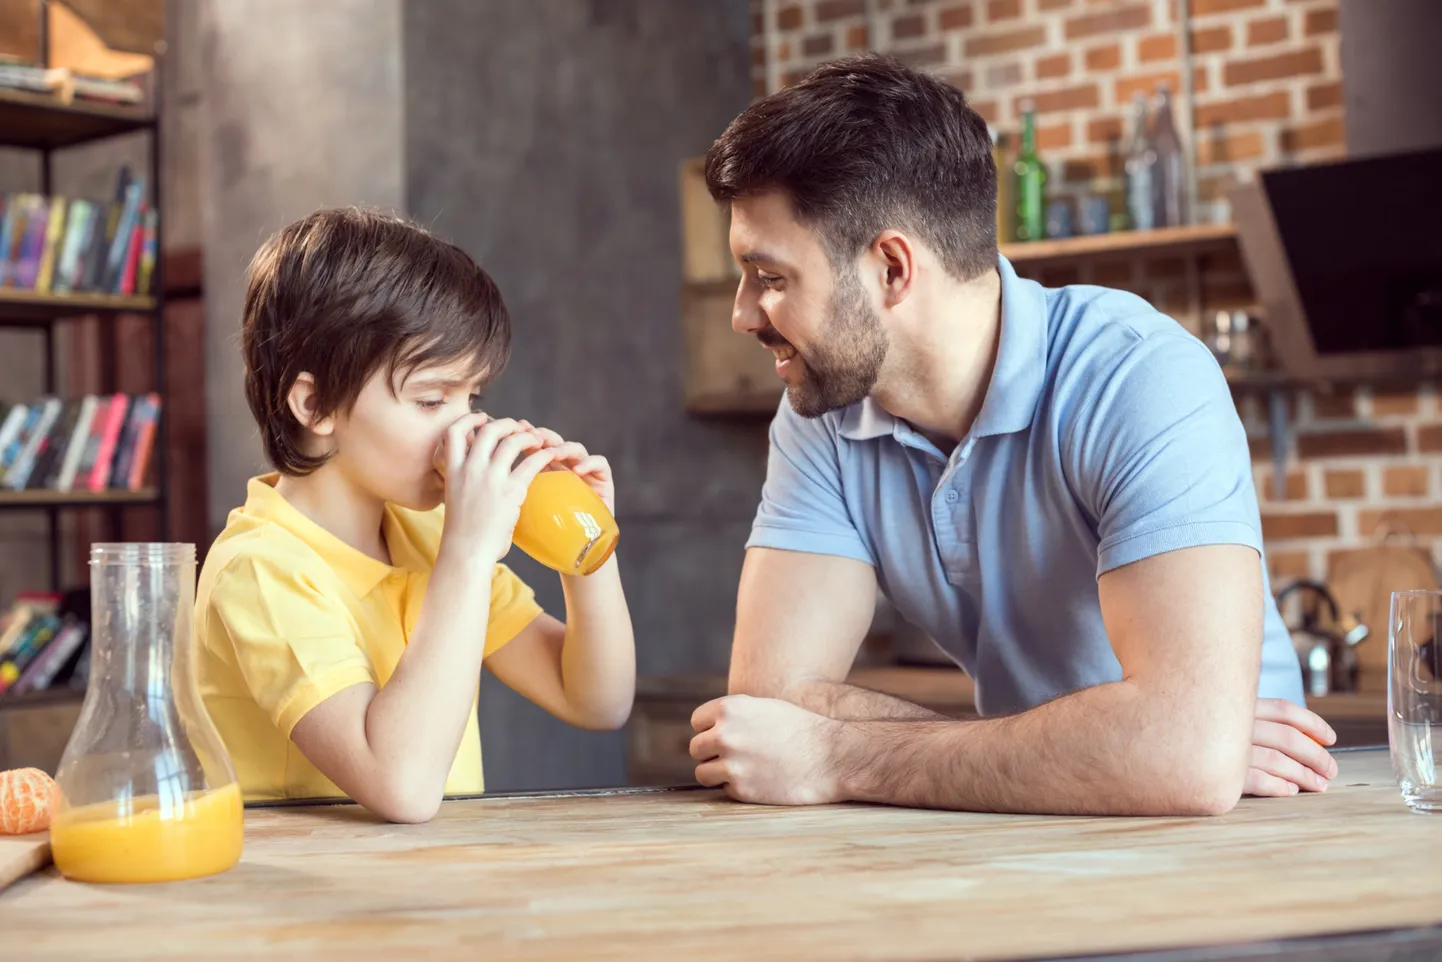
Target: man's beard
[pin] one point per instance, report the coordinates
(843, 365)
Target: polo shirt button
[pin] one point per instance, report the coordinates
(952, 497)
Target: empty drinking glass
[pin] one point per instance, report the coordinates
(1414, 695)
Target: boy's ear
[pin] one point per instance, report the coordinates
(302, 400)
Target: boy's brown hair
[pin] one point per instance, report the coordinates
(344, 293)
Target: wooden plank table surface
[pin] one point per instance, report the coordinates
(690, 875)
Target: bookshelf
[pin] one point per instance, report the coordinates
(46, 123)
(31, 121)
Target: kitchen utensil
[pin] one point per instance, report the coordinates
(1362, 582)
(1325, 648)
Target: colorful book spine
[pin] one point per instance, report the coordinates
(55, 230)
(105, 457)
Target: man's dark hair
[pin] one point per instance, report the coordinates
(864, 144)
(345, 293)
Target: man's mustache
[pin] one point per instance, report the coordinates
(772, 338)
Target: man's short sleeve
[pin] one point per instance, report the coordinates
(803, 503)
(294, 646)
(1161, 458)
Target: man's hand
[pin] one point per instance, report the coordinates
(1287, 750)
(765, 751)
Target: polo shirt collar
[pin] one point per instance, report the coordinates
(359, 571)
(1017, 380)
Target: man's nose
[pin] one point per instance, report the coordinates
(746, 315)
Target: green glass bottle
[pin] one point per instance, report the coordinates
(1030, 181)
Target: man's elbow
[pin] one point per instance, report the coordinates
(1209, 795)
(1208, 775)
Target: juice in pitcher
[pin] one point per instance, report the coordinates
(147, 790)
(155, 838)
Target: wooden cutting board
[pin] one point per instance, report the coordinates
(1362, 582)
(22, 854)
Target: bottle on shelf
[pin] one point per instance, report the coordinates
(1004, 187)
(1030, 181)
(1141, 168)
(1169, 184)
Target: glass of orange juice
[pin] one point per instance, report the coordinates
(564, 524)
(148, 791)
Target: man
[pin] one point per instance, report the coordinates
(1054, 484)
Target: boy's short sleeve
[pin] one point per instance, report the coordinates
(294, 646)
(513, 607)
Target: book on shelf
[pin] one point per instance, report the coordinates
(66, 85)
(41, 644)
(72, 245)
(97, 443)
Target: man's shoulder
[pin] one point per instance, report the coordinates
(1097, 333)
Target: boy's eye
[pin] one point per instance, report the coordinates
(429, 404)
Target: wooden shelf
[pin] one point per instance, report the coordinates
(40, 121)
(28, 307)
(39, 699)
(48, 499)
(1166, 240)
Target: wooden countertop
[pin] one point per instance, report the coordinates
(689, 875)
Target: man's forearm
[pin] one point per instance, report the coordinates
(1109, 750)
(850, 703)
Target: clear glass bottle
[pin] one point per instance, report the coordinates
(1169, 183)
(1141, 168)
(148, 791)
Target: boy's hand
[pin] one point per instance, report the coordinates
(483, 491)
(593, 469)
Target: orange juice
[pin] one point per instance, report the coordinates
(565, 525)
(154, 841)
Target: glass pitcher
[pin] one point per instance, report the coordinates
(148, 791)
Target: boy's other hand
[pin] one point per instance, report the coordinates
(592, 468)
(483, 490)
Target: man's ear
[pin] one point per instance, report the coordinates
(302, 401)
(894, 259)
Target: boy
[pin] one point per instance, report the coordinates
(343, 614)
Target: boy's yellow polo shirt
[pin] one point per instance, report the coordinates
(287, 614)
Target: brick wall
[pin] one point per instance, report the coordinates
(1359, 461)
(1266, 73)
(1268, 92)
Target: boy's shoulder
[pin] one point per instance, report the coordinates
(249, 548)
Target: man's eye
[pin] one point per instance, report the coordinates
(768, 279)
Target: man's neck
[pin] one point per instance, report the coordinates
(939, 368)
(329, 499)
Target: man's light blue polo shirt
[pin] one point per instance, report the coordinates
(1107, 435)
